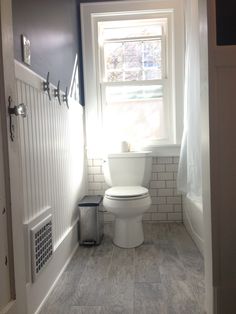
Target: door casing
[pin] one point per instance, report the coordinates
(12, 166)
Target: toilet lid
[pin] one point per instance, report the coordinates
(126, 191)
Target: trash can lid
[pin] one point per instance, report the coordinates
(91, 200)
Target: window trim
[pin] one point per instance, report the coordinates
(91, 12)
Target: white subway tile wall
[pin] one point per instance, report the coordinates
(166, 201)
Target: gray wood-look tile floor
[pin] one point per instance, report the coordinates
(165, 275)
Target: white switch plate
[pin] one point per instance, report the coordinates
(26, 50)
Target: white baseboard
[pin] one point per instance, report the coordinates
(38, 292)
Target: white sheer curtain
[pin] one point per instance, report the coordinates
(189, 178)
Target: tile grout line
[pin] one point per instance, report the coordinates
(111, 259)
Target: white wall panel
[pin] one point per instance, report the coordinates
(52, 149)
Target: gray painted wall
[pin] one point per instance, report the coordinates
(51, 26)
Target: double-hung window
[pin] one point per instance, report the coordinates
(133, 56)
(135, 79)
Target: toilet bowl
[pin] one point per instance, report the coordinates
(128, 205)
(127, 199)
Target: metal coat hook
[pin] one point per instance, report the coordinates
(57, 92)
(46, 87)
(65, 98)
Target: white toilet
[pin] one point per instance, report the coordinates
(127, 174)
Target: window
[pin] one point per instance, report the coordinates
(134, 60)
(134, 79)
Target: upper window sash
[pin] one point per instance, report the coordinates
(164, 56)
(113, 37)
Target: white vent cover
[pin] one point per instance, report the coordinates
(41, 245)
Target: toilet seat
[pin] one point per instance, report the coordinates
(126, 192)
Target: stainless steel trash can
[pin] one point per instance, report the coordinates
(91, 221)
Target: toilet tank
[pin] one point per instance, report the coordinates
(128, 169)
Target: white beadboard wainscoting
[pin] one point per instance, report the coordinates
(53, 169)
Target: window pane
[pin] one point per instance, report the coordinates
(114, 76)
(124, 93)
(132, 55)
(152, 53)
(152, 74)
(113, 53)
(152, 62)
(134, 121)
(133, 75)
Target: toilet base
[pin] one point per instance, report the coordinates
(128, 232)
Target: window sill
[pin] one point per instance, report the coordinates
(164, 150)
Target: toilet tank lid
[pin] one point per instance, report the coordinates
(126, 191)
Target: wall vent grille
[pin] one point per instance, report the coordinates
(41, 245)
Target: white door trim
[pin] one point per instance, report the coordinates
(14, 195)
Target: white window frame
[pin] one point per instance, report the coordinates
(91, 14)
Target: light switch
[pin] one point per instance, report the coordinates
(26, 52)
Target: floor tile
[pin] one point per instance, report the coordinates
(86, 310)
(61, 297)
(149, 298)
(180, 299)
(165, 275)
(171, 264)
(147, 262)
(91, 289)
